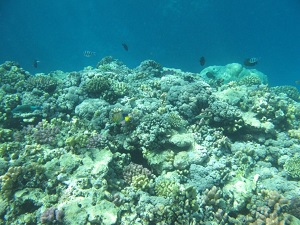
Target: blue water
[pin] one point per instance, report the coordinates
(175, 33)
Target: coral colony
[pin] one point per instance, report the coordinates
(150, 145)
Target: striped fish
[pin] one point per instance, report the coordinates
(89, 53)
(251, 61)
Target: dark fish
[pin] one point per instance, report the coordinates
(251, 61)
(202, 60)
(25, 108)
(125, 46)
(210, 75)
(35, 63)
(89, 53)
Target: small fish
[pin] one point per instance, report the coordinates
(297, 82)
(125, 46)
(210, 75)
(25, 109)
(89, 53)
(202, 61)
(251, 61)
(35, 63)
(120, 118)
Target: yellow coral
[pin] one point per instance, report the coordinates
(140, 182)
(294, 133)
(167, 188)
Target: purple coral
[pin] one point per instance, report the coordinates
(52, 216)
(132, 170)
(95, 141)
(43, 133)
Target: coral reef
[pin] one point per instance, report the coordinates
(96, 85)
(150, 68)
(42, 82)
(292, 167)
(132, 170)
(290, 91)
(52, 216)
(151, 145)
(12, 77)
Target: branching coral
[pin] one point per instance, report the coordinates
(42, 82)
(9, 180)
(136, 172)
(292, 167)
(13, 77)
(43, 133)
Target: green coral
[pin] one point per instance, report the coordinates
(97, 85)
(12, 77)
(76, 141)
(167, 188)
(141, 182)
(250, 80)
(30, 175)
(42, 82)
(120, 88)
(175, 120)
(10, 180)
(10, 148)
(292, 167)
(5, 135)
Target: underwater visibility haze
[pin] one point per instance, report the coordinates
(149, 112)
(175, 33)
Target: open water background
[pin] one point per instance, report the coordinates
(175, 33)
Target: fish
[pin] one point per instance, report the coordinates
(125, 46)
(89, 53)
(210, 75)
(202, 61)
(25, 108)
(35, 63)
(251, 61)
(297, 82)
(120, 118)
